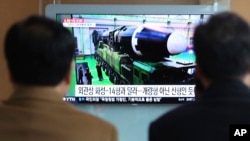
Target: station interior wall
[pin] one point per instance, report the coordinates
(131, 120)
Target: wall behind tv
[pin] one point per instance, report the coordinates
(14, 10)
(10, 12)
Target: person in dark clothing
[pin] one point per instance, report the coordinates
(222, 48)
(80, 75)
(89, 76)
(99, 71)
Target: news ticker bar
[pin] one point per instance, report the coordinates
(134, 91)
(128, 99)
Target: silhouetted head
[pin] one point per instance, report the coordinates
(39, 51)
(222, 47)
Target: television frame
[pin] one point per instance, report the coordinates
(52, 10)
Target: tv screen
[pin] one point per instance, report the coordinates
(132, 53)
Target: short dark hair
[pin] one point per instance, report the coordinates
(39, 51)
(222, 46)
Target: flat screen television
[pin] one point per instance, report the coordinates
(135, 53)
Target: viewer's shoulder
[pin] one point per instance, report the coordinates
(88, 118)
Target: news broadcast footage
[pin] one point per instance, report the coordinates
(132, 58)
